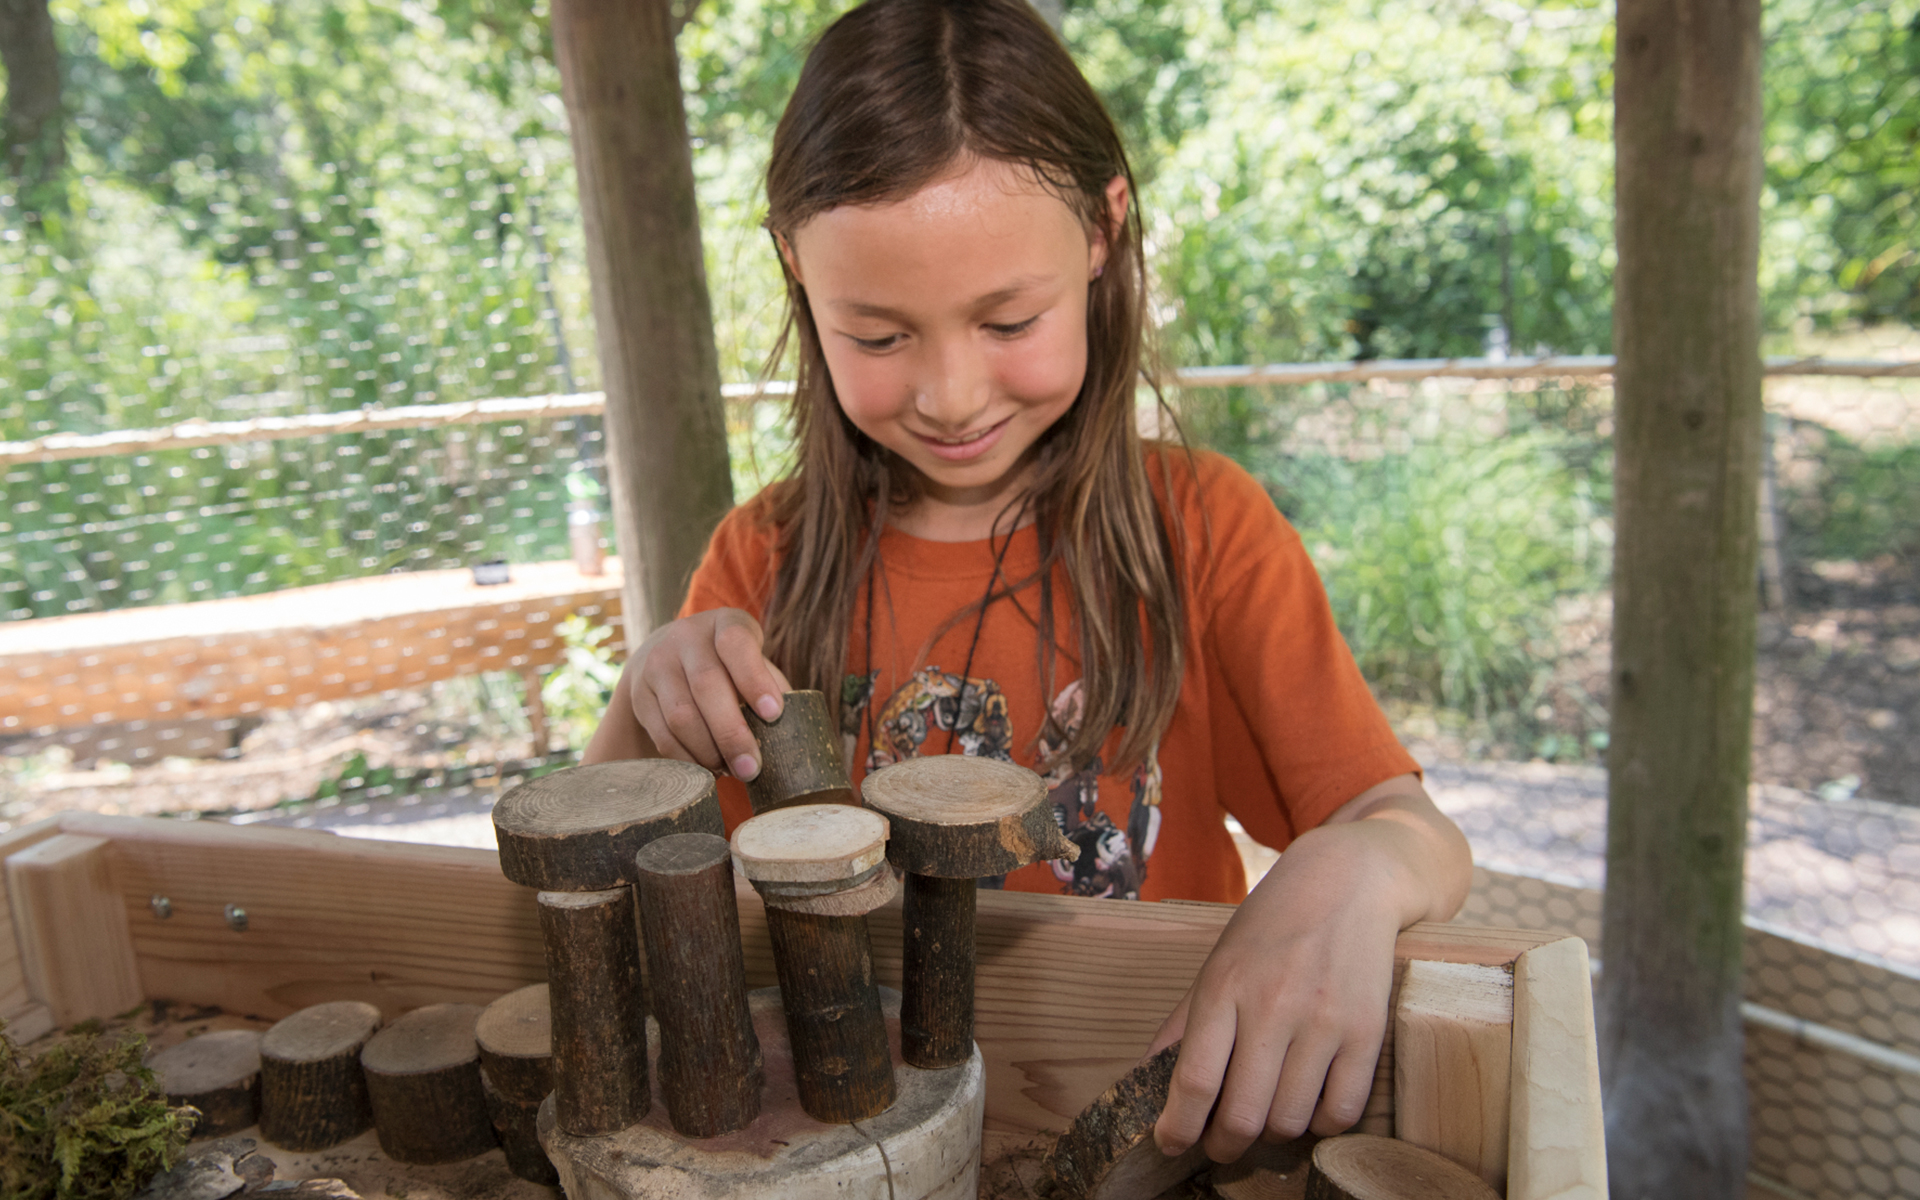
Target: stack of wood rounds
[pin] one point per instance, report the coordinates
(313, 1090)
(217, 1073)
(515, 1035)
(423, 1079)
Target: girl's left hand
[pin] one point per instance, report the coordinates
(1282, 1028)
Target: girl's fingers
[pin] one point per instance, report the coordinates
(1172, 1028)
(1302, 1080)
(1204, 1050)
(737, 639)
(1349, 1083)
(718, 716)
(1240, 1116)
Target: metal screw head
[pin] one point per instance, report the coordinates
(236, 918)
(161, 906)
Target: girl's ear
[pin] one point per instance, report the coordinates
(1117, 198)
(787, 256)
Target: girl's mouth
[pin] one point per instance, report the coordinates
(967, 446)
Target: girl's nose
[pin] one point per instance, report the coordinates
(954, 389)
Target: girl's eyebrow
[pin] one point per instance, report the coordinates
(1014, 290)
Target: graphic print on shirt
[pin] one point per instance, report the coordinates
(1113, 859)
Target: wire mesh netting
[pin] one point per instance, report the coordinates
(271, 214)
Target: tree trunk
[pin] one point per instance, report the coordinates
(34, 129)
(666, 433)
(1686, 332)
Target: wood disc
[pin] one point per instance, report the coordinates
(423, 1077)
(800, 759)
(831, 845)
(577, 830)
(313, 1091)
(1109, 1152)
(955, 816)
(515, 1034)
(1362, 1166)
(219, 1074)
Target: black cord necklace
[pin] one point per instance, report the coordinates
(973, 643)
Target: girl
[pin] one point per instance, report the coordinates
(976, 553)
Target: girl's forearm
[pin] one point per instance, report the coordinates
(1393, 842)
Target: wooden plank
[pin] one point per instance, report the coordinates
(1557, 1139)
(223, 658)
(401, 926)
(1453, 1062)
(74, 945)
(15, 1000)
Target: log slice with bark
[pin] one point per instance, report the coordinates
(1363, 1166)
(423, 1077)
(219, 1074)
(1109, 1153)
(515, 1034)
(577, 830)
(313, 1090)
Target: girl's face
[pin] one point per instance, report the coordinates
(954, 324)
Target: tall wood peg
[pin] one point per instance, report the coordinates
(599, 1019)
(954, 819)
(710, 1069)
(821, 868)
(800, 759)
(577, 830)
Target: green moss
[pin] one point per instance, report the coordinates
(84, 1121)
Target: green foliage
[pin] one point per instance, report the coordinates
(84, 1121)
(1854, 502)
(1444, 560)
(576, 692)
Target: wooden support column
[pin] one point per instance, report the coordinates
(666, 433)
(1688, 420)
(76, 950)
(599, 1018)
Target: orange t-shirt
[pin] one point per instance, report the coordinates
(1274, 723)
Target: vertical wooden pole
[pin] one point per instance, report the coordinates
(1686, 333)
(666, 433)
(599, 1019)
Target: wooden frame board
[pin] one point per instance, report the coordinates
(400, 926)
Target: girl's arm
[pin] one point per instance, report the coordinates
(1282, 1028)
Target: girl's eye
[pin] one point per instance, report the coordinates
(880, 343)
(1014, 330)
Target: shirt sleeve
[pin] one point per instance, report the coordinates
(1297, 732)
(737, 569)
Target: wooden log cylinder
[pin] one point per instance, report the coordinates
(599, 1016)
(577, 830)
(516, 1124)
(313, 1090)
(1363, 1166)
(710, 1067)
(423, 1078)
(821, 868)
(1109, 1153)
(952, 820)
(515, 1034)
(217, 1073)
(800, 759)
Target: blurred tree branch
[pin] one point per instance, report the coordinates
(35, 125)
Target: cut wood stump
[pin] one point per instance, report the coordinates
(952, 820)
(577, 830)
(1362, 1166)
(1109, 1152)
(800, 759)
(1452, 1063)
(1267, 1171)
(219, 1074)
(515, 1034)
(821, 868)
(599, 1016)
(710, 1069)
(925, 1147)
(313, 1090)
(515, 1123)
(423, 1077)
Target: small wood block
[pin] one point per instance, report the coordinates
(516, 1044)
(810, 849)
(1557, 1142)
(710, 1069)
(219, 1074)
(76, 950)
(313, 1091)
(577, 830)
(800, 760)
(955, 816)
(515, 1123)
(1109, 1153)
(423, 1077)
(599, 1013)
(1362, 1166)
(1452, 1062)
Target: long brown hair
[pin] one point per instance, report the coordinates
(894, 95)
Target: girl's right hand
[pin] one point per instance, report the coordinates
(679, 695)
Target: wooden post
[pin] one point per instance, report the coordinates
(666, 433)
(1688, 421)
(599, 1019)
(953, 820)
(1453, 1063)
(800, 759)
(710, 1069)
(313, 1090)
(821, 868)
